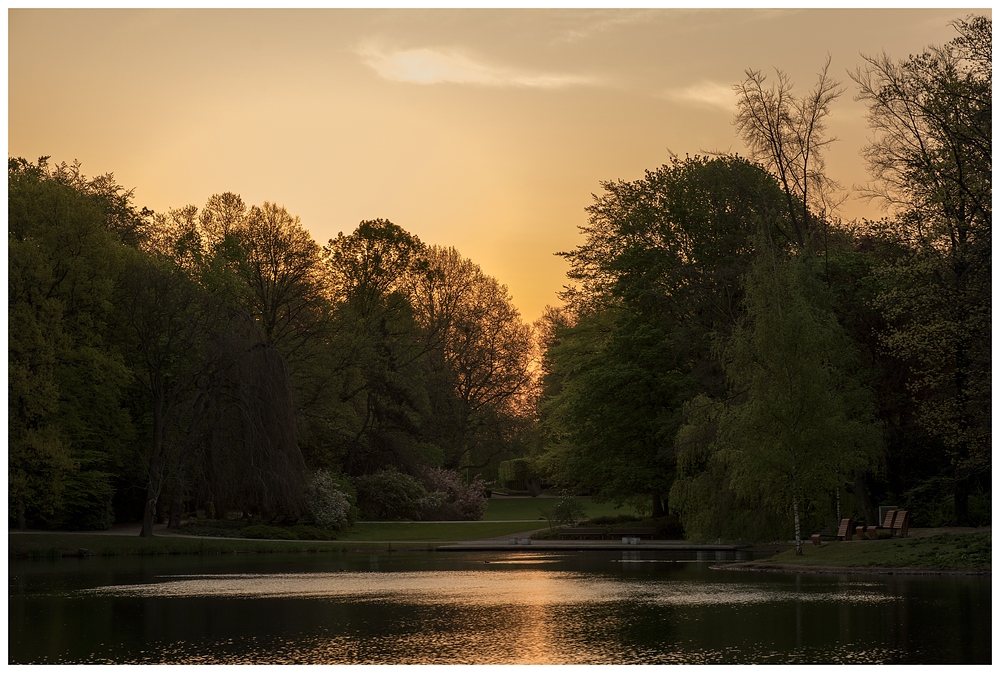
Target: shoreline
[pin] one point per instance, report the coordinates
(758, 566)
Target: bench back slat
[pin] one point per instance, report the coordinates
(890, 516)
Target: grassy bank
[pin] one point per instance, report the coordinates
(399, 535)
(968, 551)
(55, 545)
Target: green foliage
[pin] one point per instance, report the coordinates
(515, 473)
(389, 495)
(613, 520)
(261, 532)
(799, 419)
(701, 495)
(304, 532)
(568, 509)
(66, 379)
(931, 504)
(931, 159)
(660, 278)
(614, 414)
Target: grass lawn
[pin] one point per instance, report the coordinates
(507, 509)
(964, 551)
(526, 513)
(433, 531)
(54, 545)
(404, 534)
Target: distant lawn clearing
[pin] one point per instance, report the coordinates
(515, 508)
(433, 531)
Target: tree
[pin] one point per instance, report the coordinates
(798, 420)
(165, 315)
(660, 277)
(479, 353)
(379, 342)
(931, 159)
(251, 462)
(702, 495)
(280, 267)
(787, 135)
(67, 428)
(609, 425)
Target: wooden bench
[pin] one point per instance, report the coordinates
(581, 531)
(846, 530)
(901, 523)
(890, 517)
(634, 531)
(870, 532)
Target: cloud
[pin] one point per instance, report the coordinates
(711, 94)
(593, 22)
(434, 66)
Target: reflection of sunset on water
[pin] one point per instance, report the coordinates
(485, 608)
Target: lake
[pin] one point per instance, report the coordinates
(484, 608)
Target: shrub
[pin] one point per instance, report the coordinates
(932, 504)
(453, 500)
(329, 505)
(568, 509)
(267, 533)
(435, 507)
(389, 494)
(304, 532)
(611, 520)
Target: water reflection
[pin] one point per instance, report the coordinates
(527, 587)
(487, 609)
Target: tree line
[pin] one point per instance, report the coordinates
(729, 352)
(214, 359)
(733, 353)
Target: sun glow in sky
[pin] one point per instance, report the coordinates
(486, 130)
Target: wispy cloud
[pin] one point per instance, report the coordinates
(587, 23)
(707, 93)
(440, 66)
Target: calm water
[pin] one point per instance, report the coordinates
(582, 608)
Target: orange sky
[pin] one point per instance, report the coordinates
(487, 130)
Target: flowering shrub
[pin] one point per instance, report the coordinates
(457, 500)
(328, 505)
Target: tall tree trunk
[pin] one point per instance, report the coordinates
(795, 512)
(154, 482)
(149, 514)
(22, 523)
(658, 510)
(860, 492)
(177, 501)
(962, 501)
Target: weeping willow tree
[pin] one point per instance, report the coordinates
(799, 419)
(251, 458)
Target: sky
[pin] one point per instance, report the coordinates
(486, 130)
